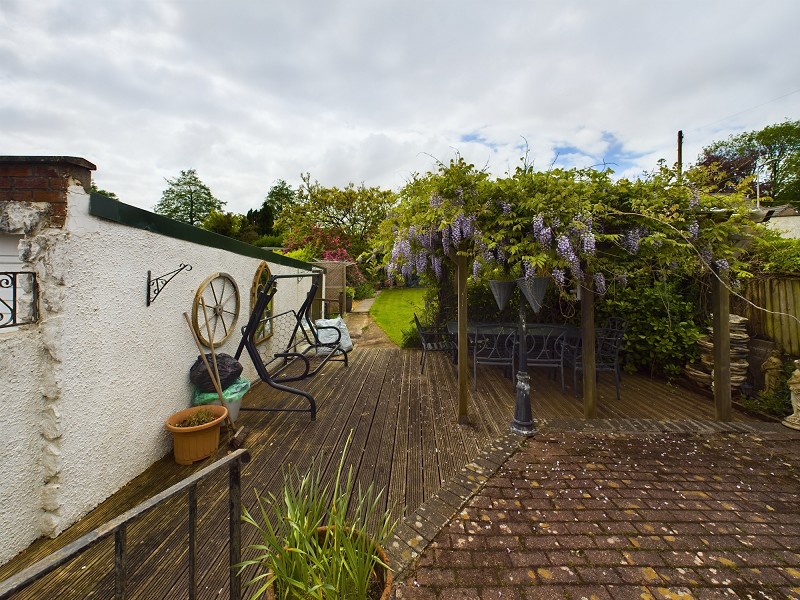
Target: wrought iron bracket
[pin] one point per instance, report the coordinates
(156, 284)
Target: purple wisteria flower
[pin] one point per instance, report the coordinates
(538, 225)
(694, 202)
(588, 241)
(506, 206)
(407, 270)
(600, 283)
(565, 250)
(560, 277)
(436, 262)
(500, 256)
(436, 200)
(694, 230)
(722, 264)
(446, 240)
(632, 239)
(527, 270)
(401, 249)
(455, 233)
(545, 237)
(706, 256)
(421, 262)
(476, 268)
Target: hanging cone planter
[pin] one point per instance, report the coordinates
(534, 289)
(501, 290)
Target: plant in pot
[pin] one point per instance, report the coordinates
(195, 432)
(311, 546)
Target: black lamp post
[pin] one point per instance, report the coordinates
(533, 290)
(523, 414)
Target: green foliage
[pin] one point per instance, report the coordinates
(774, 149)
(230, 225)
(281, 194)
(188, 199)
(574, 224)
(303, 562)
(364, 290)
(662, 333)
(105, 193)
(771, 253)
(393, 310)
(304, 254)
(269, 241)
(778, 404)
(201, 417)
(353, 213)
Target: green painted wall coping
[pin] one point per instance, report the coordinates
(125, 214)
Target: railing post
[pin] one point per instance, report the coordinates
(118, 528)
(121, 562)
(235, 526)
(193, 541)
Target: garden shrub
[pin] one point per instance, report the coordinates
(364, 290)
(771, 253)
(269, 241)
(662, 332)
(778, 404)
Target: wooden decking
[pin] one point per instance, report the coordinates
(405, 439)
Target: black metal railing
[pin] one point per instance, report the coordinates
(118, 527)
(17, 289)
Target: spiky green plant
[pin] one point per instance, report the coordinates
(299, 559)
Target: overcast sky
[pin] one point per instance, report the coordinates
(251, 91)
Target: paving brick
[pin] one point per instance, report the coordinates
(501, 593)
(460, 594)
(598, 513)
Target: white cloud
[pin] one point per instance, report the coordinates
(248, 93)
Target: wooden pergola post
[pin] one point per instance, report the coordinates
(463, 358)
(588, 337)
(721, 302)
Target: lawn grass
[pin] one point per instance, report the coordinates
(394, 310)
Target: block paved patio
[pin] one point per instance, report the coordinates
(625, 509)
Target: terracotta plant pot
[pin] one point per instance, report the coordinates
(195, 443)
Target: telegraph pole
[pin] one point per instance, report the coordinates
(680, 152)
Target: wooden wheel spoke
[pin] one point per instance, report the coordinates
(220, 295)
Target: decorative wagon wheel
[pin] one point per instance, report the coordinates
(264, 330)
(220, 294)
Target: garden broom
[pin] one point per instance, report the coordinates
(236, 436)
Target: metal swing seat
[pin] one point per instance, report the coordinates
(309, 345)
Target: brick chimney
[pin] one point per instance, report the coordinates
(43, 179)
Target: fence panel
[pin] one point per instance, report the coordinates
(780, 296)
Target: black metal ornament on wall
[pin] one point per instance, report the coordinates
(156, 284)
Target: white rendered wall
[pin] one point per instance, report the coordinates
(113, 369)
(20, 444)
(788, 226)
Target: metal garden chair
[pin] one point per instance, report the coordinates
(434, 339)
(608, 343)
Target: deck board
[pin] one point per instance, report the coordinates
(406, 439)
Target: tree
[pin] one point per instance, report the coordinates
(187, 199)
(773, 151)
(105, 193)
(352, 213)
(231, 225)
(281, 194)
